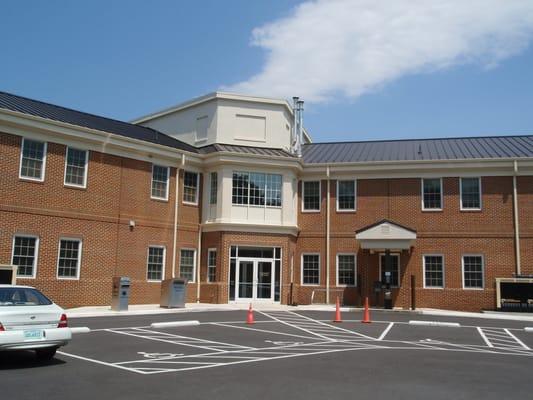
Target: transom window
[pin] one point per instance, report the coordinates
(310, 269)
(432, 194)
(76, 167)
(160, 182)
(156, 263)
(433, 271)
(311, 195)
(346, 195)
(190, 187)
(473, 272)
(32, 160)
(470, 194)
(256, 189)
(69, 259)
(25, 255)
(346, 269)
(187, 263)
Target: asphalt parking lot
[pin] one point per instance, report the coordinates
(283, 354)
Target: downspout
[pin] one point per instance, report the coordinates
(176, 203)
(198, 260)
(515, 212)
(328, 206)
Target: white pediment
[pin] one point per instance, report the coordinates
(386, 235)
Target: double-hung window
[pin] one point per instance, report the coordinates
(69, 259)
(76, 167)
(433, 271)
(346, 270)
(187, 264)
(190, 187)
(32, 160)
(214, 188)
(211, 265)
(160, 182)
(25, 249)
(311, 195)
(346, 195)
(310, 269)
(432, 194)
(470, 194)
(155, 266)
(473, 272)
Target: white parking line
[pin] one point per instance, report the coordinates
(386, 331)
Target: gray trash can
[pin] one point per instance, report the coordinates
(121, 293)
(173, 292)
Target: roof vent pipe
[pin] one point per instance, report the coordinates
(300, 108)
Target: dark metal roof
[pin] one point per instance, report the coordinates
(420, 149)
(230, 148)
(56, 113)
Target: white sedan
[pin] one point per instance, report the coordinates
(30, 320)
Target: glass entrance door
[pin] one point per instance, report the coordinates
(254, 280)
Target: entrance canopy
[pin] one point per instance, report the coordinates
(386, 235)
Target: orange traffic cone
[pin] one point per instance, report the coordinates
(337, 312)
(250, 315)
(366, 317)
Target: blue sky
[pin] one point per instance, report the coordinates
(366, 69)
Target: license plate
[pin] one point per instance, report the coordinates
(33, 334)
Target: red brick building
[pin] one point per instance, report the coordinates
(230, 193)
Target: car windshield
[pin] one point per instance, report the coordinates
(21, 296)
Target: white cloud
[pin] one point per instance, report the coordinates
(327, 48)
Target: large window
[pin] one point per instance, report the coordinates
(190, 187)
(432, 194)
(311, 195)
(470, 194)
(214, 188)
(256, 189)
(32, 160)
(346, 269)
(211, 265)
(160, 182)
(433, 271)
(393, 270)
(25, 249)
(68, 265)
(187, 264)
(310, 269)
(155, 266)
(473, 272)
(76, 167)
(346, 195)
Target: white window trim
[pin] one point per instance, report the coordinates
(482, 271)
(35, 259)
(210, 251)
(163, 268)
(441, 196)
(424, 271)
(78, 267)
(399, 268)
(197, 188)
(85, 169)
(461, 194)
(43, 171)
(355, 269)
(354, 195)
(193, 263)
(319, 196)
(302, 269)
(152, 183)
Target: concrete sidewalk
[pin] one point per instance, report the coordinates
(144, 309)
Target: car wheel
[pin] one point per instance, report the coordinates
(46, 353)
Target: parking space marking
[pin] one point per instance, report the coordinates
(386, 331)
(501, 338)
(315, 327)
